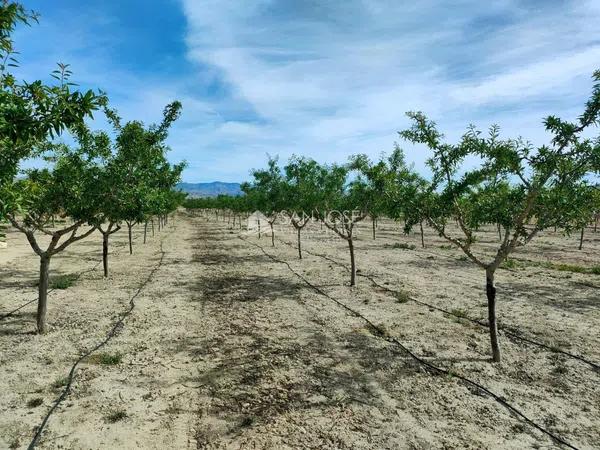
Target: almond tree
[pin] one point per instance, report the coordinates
(254, 201)
(341, 205)
(458, 191)
(571, 208)
(241, 208)
(267, 193)
(301, 190)
(157, 198)
(596, 207)
(68, 189)
(376, 179)
(586, 201)
(32, 112)
(163, 199)
(402, 192)
(139, 166)
(109, 218)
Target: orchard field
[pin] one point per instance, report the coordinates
(444, 294)
(234, 343)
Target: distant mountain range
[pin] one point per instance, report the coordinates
(210, 189)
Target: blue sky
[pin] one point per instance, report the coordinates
(321, 78)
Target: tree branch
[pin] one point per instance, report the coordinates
(465, 248)
(73, 238)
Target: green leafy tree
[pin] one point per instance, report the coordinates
(528, 178)
(376, 180)
(301, 193)
(405, 193)
(32, 112)
(254, 201)
(139, 168)
(239, 206)
(341, 205)
(570, 207)
(596, 206)
(163, 199)
(266, 192)
(67, 189)
(109, 218)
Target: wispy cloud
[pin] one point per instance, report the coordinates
(328, 79)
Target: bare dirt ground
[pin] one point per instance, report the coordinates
(230, 348)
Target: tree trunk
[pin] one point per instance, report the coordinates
(491, 296)
(105, 253)
(130, 226)
(581, 238)
(259, 228)
(145, 230)
(352, 262)
(272, 234)
(373, 221)
(299, 243)
(152, 222)
(422, 239)
(43, 294)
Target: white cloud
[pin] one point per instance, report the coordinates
(563, 72)
(328, 79)
(328, 82)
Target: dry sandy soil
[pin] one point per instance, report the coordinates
(231, 345)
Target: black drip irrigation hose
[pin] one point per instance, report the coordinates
(79, 275)
(504, 329)
(113, 332)
(380, 333)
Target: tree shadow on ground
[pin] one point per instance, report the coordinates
(258, 378)
(19, 323)
(557, 297)
(13, 278)
(220, 258)
(230, 287)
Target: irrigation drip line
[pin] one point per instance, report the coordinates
(77, 277)
(381, 333)
(503, 328)
(484, 324)
(113, 332)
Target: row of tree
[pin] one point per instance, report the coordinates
(517, 188)
(98, 182)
